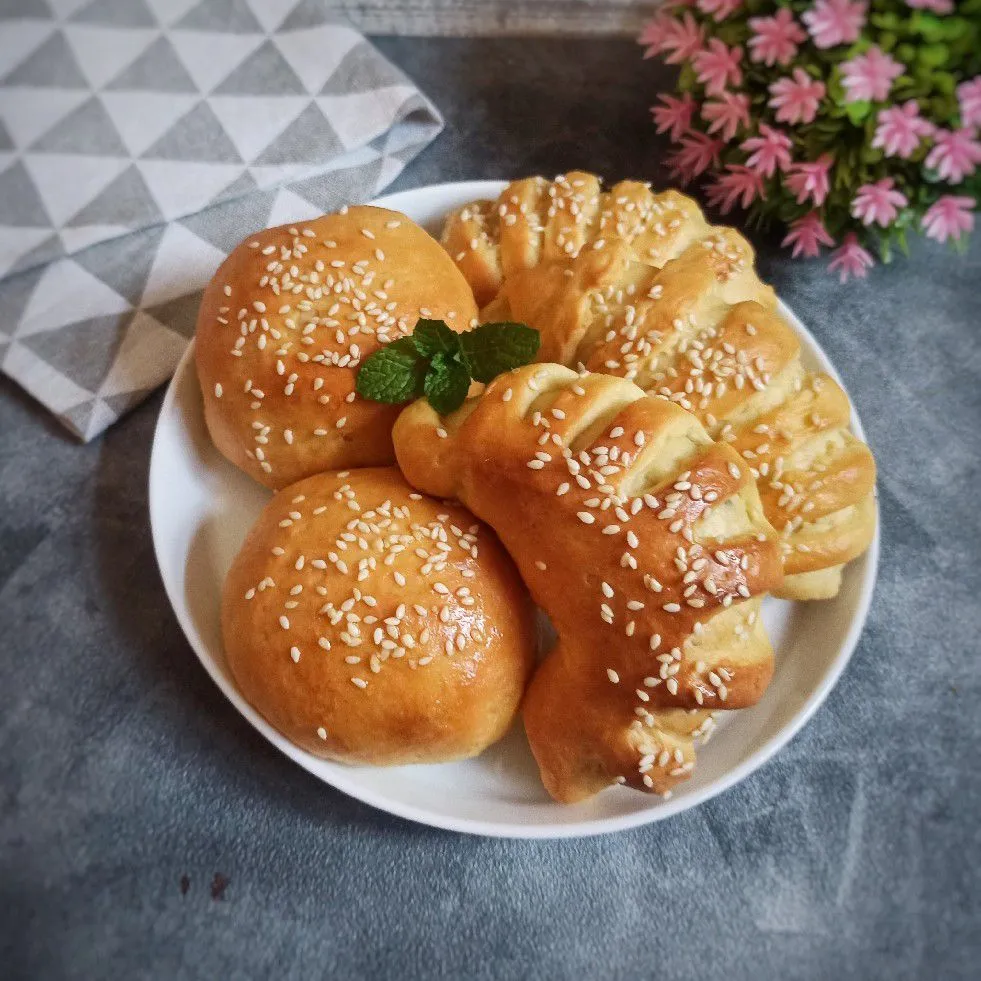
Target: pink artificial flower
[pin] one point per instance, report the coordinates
(954, 154)
(727, 114)
(969, 99)
(685, 40)
(810, 179)
(737, 184)
(655, 32)
(807, 235)
(870, 75)
(948, 217)
(851, 259)
(832, 22)
(900, 130)
(674, 117)
(878, 203)
(768, 151)
(796, 99)
(775, 39)
(719, 9)
(676, 38)
(698, 152)
(717, 66)
(937, 6)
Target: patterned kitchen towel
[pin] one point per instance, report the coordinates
(140, 140)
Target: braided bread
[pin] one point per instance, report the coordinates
(644, 541)
(637, 284)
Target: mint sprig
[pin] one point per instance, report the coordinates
(439, 363)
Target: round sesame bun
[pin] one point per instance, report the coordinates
(370, 624)
(288, 320)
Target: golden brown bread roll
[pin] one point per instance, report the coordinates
(370, 624)
(643, 540)
(637, 284)
(286, 323)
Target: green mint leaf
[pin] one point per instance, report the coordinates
(447, 383)
(491, 349)
(395, 373)
(432, 336)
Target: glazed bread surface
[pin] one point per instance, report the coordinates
(286, 323)
(370, 624)
(643, 540)
(638, 284)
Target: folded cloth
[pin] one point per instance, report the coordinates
(140, 140)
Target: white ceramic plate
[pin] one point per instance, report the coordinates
(201, 508)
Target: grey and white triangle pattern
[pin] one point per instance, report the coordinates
(140, 140)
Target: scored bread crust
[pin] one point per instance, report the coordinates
(286, 323)
(643, 540)
(370, 624)
(638, 284)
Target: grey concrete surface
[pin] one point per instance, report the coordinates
(127, 782)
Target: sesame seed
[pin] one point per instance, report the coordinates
(613, 676)
(359, 682)
(671, 608)
(295, 654)
(322, 732)
(585, 517)
(535, 464)
(218, 390)
(284, 622)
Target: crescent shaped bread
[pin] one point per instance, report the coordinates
(287, 321)
(370, 624)
(637, 284)
(643, 540)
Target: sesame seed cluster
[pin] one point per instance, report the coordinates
(350, 581)
(642, 539)
(637, 284)
(287, 322)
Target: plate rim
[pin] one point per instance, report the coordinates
(349, 784)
